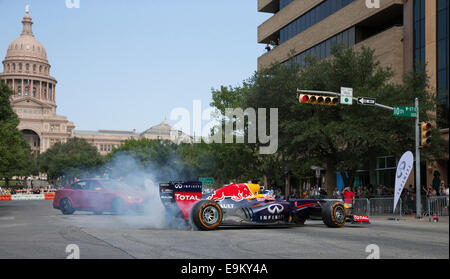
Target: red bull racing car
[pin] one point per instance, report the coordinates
(244, 204)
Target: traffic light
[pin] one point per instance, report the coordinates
(318, 100)
(425, 134)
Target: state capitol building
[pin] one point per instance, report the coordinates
(26, 70)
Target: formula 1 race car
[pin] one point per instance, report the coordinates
(244, 204)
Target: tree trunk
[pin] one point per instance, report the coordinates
(330, 179)
(265, 182)
(287, 189)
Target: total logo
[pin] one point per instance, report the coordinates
(180, 197)
(275, 208)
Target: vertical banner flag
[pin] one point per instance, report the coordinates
(404, 168)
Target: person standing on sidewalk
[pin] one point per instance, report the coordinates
(349, 196)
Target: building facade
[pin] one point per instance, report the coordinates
(405, 34)
(26, 70)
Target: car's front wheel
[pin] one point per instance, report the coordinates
(334, 214)
(66, 206)
(207, 215)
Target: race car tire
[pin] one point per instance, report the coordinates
(334, 214)
(118, 207)
(66, 206)
(206, 215)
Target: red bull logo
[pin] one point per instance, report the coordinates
(235, 191)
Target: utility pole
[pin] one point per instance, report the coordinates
(418, 197)
(398, 111)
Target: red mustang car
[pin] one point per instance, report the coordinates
(98, 196)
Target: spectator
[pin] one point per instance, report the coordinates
(335, 194)
(442, 188)
(268, 47)
(379, 190)
(349, 196)
(323, 193)
(305, 194)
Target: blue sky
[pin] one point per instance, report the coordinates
(125, 64)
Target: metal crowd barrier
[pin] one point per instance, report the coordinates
(361, 207)
(384, 206)
(437, 206)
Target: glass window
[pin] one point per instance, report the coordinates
(82, 185)
(313, 16)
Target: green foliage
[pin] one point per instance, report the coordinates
(68, 160)
(342, 136)
(15, 153)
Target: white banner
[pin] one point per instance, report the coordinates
(20, 197)
(404, 168)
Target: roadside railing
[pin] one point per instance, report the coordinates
(436, 205)
(384, 207)
(361, 207)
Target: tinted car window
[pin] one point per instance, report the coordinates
(95, 185)
(82, 185)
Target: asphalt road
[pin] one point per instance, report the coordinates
(33, 229)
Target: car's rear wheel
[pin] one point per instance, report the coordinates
(334, 214)
(66, 206)
(118, 207)
(207, 215)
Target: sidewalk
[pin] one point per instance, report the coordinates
(411, 218)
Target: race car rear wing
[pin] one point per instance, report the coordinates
(180, 194)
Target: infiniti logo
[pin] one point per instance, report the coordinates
(275, 208)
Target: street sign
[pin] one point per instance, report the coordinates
(366, 101)
(405, 111)
(206, 180)
(346, 96)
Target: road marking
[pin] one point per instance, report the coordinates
(7, 218)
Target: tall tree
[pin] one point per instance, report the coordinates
(65, 161)
(15, 153)
(345, 138)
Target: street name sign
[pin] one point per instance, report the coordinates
(366, 101)
(206, 180)
(346, 96)
(405, 111)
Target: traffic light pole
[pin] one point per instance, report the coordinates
(338, 94)
(417, 132)
(418, 194)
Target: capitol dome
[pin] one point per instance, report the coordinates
(27, 71)
(26, 46)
